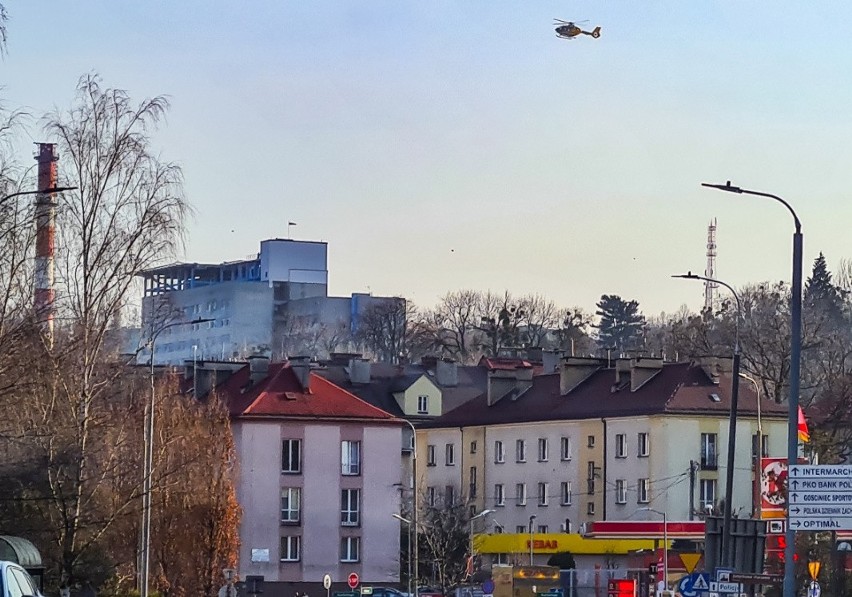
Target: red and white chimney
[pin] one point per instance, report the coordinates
(45, 219)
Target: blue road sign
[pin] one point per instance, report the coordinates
(694, 584)
(488, 586)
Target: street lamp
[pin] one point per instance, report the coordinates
(412, 527)
(757, 469)
(665, 544)
(149, 458)
(727, 552)
(795, 364)
(532, 519)
(45, 192)
(472, 518)
(409, 525)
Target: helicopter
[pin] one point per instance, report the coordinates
(570, 30)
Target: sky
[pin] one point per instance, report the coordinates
(440, 145)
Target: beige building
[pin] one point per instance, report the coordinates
(597, 441)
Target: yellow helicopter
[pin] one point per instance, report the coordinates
(570, 30)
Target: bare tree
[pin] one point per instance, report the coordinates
(455, 321)
(540, 316)
(383, 329)
(445, 538)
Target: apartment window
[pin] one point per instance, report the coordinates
(542, 494)
(291, 548)
(565, 448)
(592, 469)
(472, 493)
(350, 549)
(449, 495)
(707, 494)
(451, 454)
(473, 447)
(764, 447)
(350, 500)
(291, 457)
(642, 492)
(521, 450)
(590, 508)
(290, 499)
(430, 455)
(644, 447)
(501, 559)
(350, 458)
(565, 493)
(708, 451)
(521, 494)
(422, 405)
(543, 449)
(521, 529)
(591, 441)
(621, 445)
(430, 496)
(499, 495)
(499, 455)
(620, 491)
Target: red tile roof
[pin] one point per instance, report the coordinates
(510, 364)
(280, 394)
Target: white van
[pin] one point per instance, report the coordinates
(16, 582)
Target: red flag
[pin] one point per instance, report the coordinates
(804, 434)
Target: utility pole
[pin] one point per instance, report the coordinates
(692, 468)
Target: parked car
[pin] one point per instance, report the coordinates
(386, 592)
(16, 582)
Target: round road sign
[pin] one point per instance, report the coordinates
(326, 582)
(353, 580)
(814, 589)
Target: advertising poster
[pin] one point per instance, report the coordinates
(773, 487)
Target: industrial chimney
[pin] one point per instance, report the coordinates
(45, 219)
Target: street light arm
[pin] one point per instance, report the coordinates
(46, 192)
(691, 276)
(732, 189)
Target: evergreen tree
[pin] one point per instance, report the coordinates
(621, 323)
(821, 296)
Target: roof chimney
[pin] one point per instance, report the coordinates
(301, 366)
(447, 373)
(258, 368)
(550, 361)
(642, 369)
(508, 382)
(359, 371)
(575, 370)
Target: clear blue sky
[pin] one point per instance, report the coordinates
(440, 145)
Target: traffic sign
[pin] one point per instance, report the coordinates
(701, 581)
(690, 561)
(725, 587)
(326, 582)
(813, 569)
(488, 586)
(694, 584)
(353, 580)
(750, 578)
(814, 589)
(820, 497)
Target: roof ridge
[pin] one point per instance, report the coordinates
(386, 414)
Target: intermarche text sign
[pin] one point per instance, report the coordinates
(820, 497)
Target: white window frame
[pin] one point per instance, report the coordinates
(621, 445)
(590, 508)
(520, 450)
(430, 455)
(350, 507)
(291, 468)
(450, 454)
(542, 493)
(423, 404)
(499, 453)
(472, 481)
(643, 444)
(449, 496)
(350, 458)
(565, 448)
(703, 485)
(290, 514)
(543, 449)
(499, 495)
(521, 494)
(643, 491)
(565, 490)
(430, 496)
(350, 549)
(542, 528)
(288, 545)
(620, 491)
(705, 451)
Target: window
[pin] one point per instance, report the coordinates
(543, 449)
(501, 559)
(542, 528)
(708, 494)
(521, 450)
(542, 494)
(291, 458)
(350, 458)
(290, 498)
(521, 529)
(621, 445)
(521, 494)
(451, 454)
(473, 447)
(449, 495)
(590, 508)
(642, 492)
(291, 548)
(430, 455)
(620, 491)
(350, 549)
(708, 451)
(565, 448)
(499, 455)
(472, 493)
(430, 496)
(644, 447)
(499, 495)
(591, 443)
(422, 409)
(565, 493)
(20, 584)
(349, 507)
(592, 469)
(764, 447)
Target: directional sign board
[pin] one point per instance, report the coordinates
(820, 497)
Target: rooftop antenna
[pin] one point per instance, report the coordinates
(711, 288)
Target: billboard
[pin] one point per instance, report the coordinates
(773, 487)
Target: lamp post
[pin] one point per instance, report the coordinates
(665, 544)
(472, 518)
(149, 458)
(413, 526)
(49, 191)
(727, 551)
(532, 519)
(795, 364)
(757, 469)
(409, 525)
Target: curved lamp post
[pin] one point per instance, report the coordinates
(44, 192)
(665, 543)
(472, 518)
(757, 468)
(727, 552)
(795, 364)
